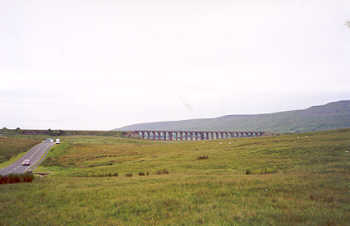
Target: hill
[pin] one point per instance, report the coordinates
(333, 115)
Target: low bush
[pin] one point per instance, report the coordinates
(162, 171)
(100, 164)
(108, 175)
(97, 175)
(16, 178)
(260, 171)
(141, 174)
(202, 157)
(128, 175)
(268, 171)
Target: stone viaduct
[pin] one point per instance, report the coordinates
(190, 135)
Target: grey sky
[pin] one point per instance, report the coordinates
(105, 64)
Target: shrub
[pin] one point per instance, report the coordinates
(28, 177)
(268, 171)
(202, 157)
(162, 171)
(103, 175)
(141, 174)
(13, 178)
(16, 178)
(128, 175)
(147, 173)
(248, 171)
(3, 179)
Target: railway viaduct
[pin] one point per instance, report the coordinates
(190, 135)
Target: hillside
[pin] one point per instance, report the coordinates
(333, 115)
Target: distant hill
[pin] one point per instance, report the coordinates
(333, 115)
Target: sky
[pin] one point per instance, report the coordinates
(103, 64)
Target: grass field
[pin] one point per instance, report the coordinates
(301, 179)
(11, 146)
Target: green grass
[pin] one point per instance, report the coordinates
(293, 180)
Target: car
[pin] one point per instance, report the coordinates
(26, 162)
(49, 140)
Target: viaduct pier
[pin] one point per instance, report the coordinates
(189, 135)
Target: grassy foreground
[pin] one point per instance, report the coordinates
(301, 179)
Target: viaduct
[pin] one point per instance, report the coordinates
(190, 135)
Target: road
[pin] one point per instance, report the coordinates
(34, 155)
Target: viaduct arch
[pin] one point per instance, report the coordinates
(190, 135)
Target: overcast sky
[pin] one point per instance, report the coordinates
(105, 64)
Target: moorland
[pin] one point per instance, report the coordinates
(291, 179)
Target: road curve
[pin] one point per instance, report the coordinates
(34, 155)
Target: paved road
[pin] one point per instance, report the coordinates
(34, 154)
